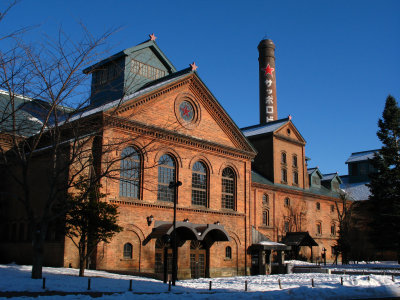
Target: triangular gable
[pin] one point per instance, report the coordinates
(289, 131)
(312, 171)
(330, 177)
(147, 98)
(129, 51)
(152, 45)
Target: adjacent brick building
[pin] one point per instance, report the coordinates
(242, 190)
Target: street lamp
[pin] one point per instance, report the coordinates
(174, 185)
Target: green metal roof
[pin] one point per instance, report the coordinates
(257, 178)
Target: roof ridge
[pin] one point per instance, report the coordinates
(266, 124)
(366, 151)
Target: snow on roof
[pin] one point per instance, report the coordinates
(358, 191)
(311, 170)
(329, 176)
(270, 243)
(361, 156)
(264, 128)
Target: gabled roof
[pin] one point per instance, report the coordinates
(29, 114)
(151, 86)
(270, 128)
(331, 176)
(299, 239)
(361, 156)
(147, 44)
(264, 128)
(311, 171)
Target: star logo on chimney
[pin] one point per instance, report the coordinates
(269, 70)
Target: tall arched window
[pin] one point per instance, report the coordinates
(265, 200)
(294, 160)
(129, 185)
(228, 252)
(333, 229)
(284, 175)
(266, 217)
(319, 228)
(228, 188)
(283, 158)
(295, 177)
(199, 184)
(166, 174)
(128, 250)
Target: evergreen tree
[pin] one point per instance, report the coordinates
(90, 220)
(385, 183)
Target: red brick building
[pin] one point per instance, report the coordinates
(242, 190)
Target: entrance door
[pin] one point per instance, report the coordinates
(197, 260)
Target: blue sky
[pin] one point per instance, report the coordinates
(336, 61)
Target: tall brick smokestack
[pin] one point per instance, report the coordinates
(266, 62)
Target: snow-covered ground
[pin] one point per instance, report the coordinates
(391, 267)
(16, 278)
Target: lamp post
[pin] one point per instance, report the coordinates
(174, 185)
(324, 255)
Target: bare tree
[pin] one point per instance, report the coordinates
(344, 213)
(292, 219)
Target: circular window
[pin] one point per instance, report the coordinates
(186, 111)
(288, 131)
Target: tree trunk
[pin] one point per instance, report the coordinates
(37, 261)
(82, 262)
(82, 256)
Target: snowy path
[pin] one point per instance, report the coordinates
(294, 286)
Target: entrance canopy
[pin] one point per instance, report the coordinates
(261, 242)
(299, 239)
(206, 233)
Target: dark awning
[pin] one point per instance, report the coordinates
(299, 239)
(208, 233)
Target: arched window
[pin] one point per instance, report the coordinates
(287, 202)
(265, 200)
(128, 250)
(266, 217)
(284, 175)
(294, 160)
(228, 188)
(283, 158)
(129, 185)
(228, 252)
(286, 226)
(333, 229)
(319, 228)
(295, 177)
(318, 205)
(199, 184)
(166, 174)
